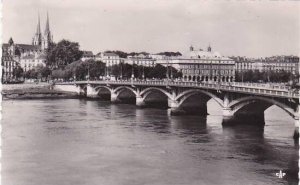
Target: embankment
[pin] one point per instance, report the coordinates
(34, 91)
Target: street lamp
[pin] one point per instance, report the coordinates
(121, 76)
(167, 69)
(143, 75)
(132, 72)
(210, 78)
(88, 75)
(171, 72)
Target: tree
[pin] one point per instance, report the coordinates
(58, 74)
(121, 54)
(43, 71)
(10, 42)
(158, 71)
(62, 54)
(170, 53)
(115, 70)
(96, 68)
(126, 70)
(175, 73)
(18, 72)
(32, 74)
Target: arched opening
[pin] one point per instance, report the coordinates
(215, 78)
(198, 78)
(202, 78)
(103, 93)
(227, 78)
(184, 78)
(156, 98)
(251, 110)
(126, 95)
(274, 112)
(194, 78)
(190, 78)
(195, 101)
(206, 78)
(231, 79)
(223, 78)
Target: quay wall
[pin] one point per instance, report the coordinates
(67, 88)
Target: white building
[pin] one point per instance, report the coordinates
(31, 61)
(199, 65)
(109, 58)
(141, 61)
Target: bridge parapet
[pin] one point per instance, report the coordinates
(254, 89)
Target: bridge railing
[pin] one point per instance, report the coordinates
(252, 88)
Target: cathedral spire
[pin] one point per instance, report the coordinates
(37, 38)
(47, 38)
(38, 28)
(47, 29)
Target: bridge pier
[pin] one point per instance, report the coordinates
(243, 118)
(296, 132)
(140, 101)
(91, 92)
(175, 109)
(227, 113)
(114, 98)
(297, 125)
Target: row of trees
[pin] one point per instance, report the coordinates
(38, 72)
(265, 76)
(96, 69)
(123, 54)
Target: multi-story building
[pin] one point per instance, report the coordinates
(201, 65)
(275, 63)
(8, 66)
(32, 61)
(141, 61)
(109, 58)
(244, 64)
(278, 63)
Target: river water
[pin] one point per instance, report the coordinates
(77, 141)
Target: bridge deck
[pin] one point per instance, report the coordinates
(275, 90)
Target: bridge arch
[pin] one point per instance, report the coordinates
(122, 88)
(148, 90)
(188, 93)
(239, 104)
(98, 88)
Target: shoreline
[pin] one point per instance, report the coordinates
(34, 91)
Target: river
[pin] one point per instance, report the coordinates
(84, 142)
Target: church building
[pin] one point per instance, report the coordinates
(28, 56)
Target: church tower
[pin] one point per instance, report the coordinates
(47, 39)
(37, 39)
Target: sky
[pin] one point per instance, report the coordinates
(240, 28)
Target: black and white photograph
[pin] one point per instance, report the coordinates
(150, 92)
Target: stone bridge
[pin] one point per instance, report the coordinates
(241, 102)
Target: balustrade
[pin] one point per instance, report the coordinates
(276, 89)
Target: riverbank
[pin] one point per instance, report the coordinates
(33, 91)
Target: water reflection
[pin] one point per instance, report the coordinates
(95, 142)
(249, 144)
(151, 119)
